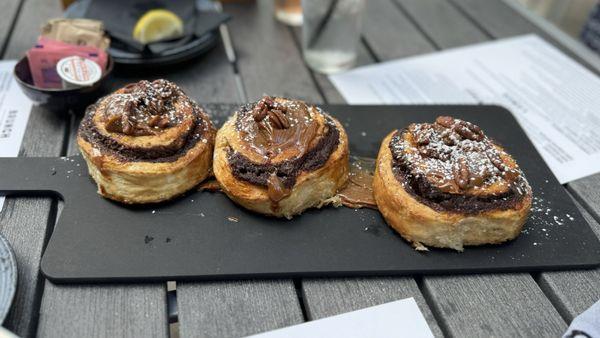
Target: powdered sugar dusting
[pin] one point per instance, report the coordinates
(145, 108)
(454, 156)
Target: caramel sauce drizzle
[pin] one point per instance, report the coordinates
(276, 190)
(274, 128)
(210, 184)
(358, 191)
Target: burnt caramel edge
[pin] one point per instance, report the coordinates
(420, 188)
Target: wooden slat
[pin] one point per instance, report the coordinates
(27, 28)
(316, 292)
(328, 297)
(326, 88)
(587, 191)
(268, 58)
(132, 310)
(382, 22)
(495, 18)
(570, 291)
(442, 23)
(499, 20)
(575, 47)
(24, 222)
(254, 82)
(208, 78)
(492, 17)
(227, 309)
(476, 290)
(493, 305)
(237, 308)
(9, 9)
(97, 309)
(222, 309)
(103, 311)
(390, 34)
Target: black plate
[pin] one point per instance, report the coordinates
(185, 52)
(206, 236)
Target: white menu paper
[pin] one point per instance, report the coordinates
(555, 99)
(14, 114)
(401, 318)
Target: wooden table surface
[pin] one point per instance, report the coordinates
(269, 61)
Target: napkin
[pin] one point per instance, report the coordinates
(586, 325)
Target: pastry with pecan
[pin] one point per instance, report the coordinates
(146, 142)
(279, 157)
(446, 184)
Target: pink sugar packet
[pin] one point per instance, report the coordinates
(46, 54)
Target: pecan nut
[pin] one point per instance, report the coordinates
(511, 174)
(127, 126)
(153, 121)
(439, 180)
(462, 174)
(164, 123)
(469, 131)
(260, 113)
(496, 161)
(445, 121)
(278, 119)
(113, 124)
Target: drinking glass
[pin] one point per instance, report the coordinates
(289, 12)
(331, 33)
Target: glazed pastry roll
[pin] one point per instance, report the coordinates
(279, 157)
(146, 143)
(447, 185)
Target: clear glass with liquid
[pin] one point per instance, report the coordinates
(331, 33)
(289, 12)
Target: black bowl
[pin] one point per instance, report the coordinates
(60, 100)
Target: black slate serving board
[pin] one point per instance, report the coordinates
(203, 235)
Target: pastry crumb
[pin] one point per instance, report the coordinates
(334, 201)
(420, 247)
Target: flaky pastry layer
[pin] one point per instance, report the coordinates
(310, 190)
(424, 226)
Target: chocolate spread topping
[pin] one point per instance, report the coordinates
(450, 165)
(128, 112)
(142, 108)
(269, 128)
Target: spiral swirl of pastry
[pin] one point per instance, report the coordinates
(447, 185)
(452, 165)
(276, 140)
(146, 131)
(146, 121)
(279, 156)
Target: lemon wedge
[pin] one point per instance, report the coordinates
(157, 25)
